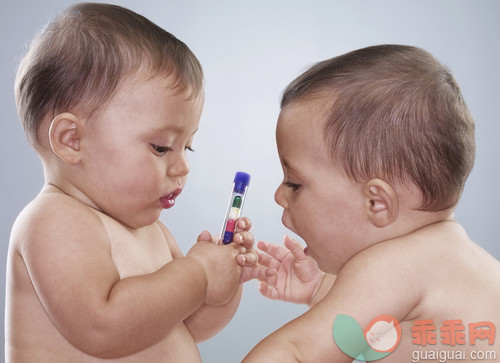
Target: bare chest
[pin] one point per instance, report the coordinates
(137, 252)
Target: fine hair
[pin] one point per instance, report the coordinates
(395, 113)
(79, 58)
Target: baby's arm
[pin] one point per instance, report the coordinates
(290, 275)
(71, 267)
(206, 321)
(364, 289)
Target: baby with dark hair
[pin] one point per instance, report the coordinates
(111, 103)
(376, 146)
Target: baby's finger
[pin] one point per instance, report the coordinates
(268, 291)
(268, 261)
(204, 236)
(239, 249)
(278, 252)
(248, 259)
(262, 245)
(295, 247)
(258, 272)
(244, 238)
(243, 224)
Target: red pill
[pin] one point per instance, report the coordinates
(230, 225)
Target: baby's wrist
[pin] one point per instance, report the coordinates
(198, 271)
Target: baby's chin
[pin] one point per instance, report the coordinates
(137, 221)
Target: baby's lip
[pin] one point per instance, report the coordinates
(168, 200)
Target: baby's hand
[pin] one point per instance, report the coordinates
(289, 274)
(249, 258)
(220, 266)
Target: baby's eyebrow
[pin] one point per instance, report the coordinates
(169, 128)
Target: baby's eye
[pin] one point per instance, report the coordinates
(189, 148)
(161, 150)
(294, 186)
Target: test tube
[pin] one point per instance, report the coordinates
(235, 205)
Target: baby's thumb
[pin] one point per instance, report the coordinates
(294, 247)
(205, 236)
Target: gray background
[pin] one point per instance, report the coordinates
(250, 50)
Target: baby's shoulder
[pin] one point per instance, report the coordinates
(427, 243)
(385, 277)
(425, 259)
(408, 276)
(52, 215)
(50, 206)
(404, 261)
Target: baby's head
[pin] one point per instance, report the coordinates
(111, 102)
(78, 60)
(393, 112)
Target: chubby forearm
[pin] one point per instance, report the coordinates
(142, 310)
(207, 320)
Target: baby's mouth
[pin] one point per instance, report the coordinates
(168, 201)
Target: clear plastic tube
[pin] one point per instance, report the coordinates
(235, 206)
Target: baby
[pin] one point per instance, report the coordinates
(375, 146)
(111, 103)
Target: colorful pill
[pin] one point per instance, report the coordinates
(234, 213)
(237, 202)
(229, 232)
(230, 225)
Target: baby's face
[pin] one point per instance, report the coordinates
(319, 202)
(135, 150)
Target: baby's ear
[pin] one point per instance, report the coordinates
(382, 205)
(64, 137)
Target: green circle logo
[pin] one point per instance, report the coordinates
(379, 339)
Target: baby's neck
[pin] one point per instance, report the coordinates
(412, 220)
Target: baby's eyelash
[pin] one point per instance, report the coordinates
(294, 186)
(161, 149)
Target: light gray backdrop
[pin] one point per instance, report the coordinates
(250, 50)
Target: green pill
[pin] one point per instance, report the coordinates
(237, 202)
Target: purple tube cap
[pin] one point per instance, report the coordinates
(241, 181)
